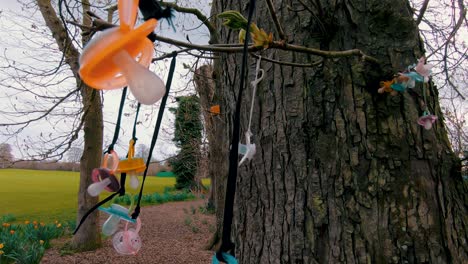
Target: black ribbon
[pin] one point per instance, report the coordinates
(226, 244)
(136, 212)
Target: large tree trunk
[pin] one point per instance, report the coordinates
(217, 138)
(343, 174)
(88, 237)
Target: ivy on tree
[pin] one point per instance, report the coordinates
(187, 136)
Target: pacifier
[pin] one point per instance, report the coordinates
(128, 242)
(248, 150)
(103, 177)
(116, 212)
(120, 56)
(132, 166)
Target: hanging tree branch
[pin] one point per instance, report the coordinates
(101, 24)
(279, 28)
(422, 11)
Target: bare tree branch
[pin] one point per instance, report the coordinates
(279, 28)
(422, 11)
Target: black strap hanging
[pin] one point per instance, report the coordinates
(136, 212)
(135, 123)
(226, 244)
(119, 120)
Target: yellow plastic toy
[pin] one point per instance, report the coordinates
(120, 56)
(132, 166)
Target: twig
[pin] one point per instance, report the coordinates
(455, 29)
(275, 19)
(422, 11)
(169, 55)
(302, 65)
(45, 113)
(99, 23)
(205, 20)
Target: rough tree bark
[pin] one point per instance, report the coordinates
(217, 137)
(342, 174)
(88, 237)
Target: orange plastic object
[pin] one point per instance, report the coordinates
(97, 68)
(115, 161)
(215, 109)
(131, 164)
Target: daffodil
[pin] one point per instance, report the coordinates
(12, 231)
(1, 252)
(59, 225)
(1, 245)
(41, 242)
(26, 222)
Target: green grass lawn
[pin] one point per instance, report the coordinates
(51, 195)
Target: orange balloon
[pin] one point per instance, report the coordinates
(97, 67)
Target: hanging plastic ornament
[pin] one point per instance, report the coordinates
(215, 110)
(386, 87)
(400, 83)
(423, 69)
(132, 166)
(128, 242)
(116, 213)
(413, 78)
(120, 56)
(426, 120)
(248, 150)
(103, 177)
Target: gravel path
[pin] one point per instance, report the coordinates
(172, 233)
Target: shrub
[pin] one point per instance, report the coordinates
(26, 243)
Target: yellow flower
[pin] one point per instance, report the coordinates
(26, 222)
(59, 225)
(1, 245)
(56, 222)
(1, 252)
(35, 222)
(5, 224)
(12, 231)
(41, 242)
(35, 227)
(42, 224)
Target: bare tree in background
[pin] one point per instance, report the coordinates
(142, 151)
(6, 155)
(74, 154)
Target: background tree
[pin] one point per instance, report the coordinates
(342, 173)
(187, 136)
(6, 155)
(74, 154)
(88, 237)
(143, 151)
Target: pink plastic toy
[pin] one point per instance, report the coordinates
(128, 242)
(427, 120)
(103, 177)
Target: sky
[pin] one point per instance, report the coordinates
(18, 43)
